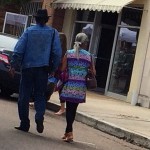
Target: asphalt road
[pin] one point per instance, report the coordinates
(85, 138)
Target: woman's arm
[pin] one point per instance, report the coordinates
(92, 66)
(64, 63)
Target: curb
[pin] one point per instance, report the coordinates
(108, 128)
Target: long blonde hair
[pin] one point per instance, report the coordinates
(79, 40)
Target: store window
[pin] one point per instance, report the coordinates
(128, 31)
(84, 23)
(15, 24)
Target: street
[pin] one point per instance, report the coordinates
(85, 137)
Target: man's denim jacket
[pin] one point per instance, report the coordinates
(35, 47)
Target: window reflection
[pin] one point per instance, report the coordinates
(127, 34)
(85, 28)
(84, 23)
(15, 23)
(123, 61)
(131, 17)
(125, 50)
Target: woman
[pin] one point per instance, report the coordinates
(77, 62)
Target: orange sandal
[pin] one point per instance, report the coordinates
(68, 137)
(65, 136)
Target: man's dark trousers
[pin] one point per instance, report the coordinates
(33, 82)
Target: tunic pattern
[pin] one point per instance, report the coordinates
(74, 89)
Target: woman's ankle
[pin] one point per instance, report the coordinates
(60, 112)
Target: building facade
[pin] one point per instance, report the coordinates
(119, 35)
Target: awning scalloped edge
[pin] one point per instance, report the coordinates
(88, 7)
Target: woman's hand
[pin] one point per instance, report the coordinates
(51, 74)
(12, 72)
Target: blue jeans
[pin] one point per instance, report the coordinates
(33, 82)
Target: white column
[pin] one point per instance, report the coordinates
(139, 73)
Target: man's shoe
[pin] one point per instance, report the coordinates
(22, 129)
(39, 126)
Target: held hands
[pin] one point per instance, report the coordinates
(92, 71)
(12, 72)
(51, 74)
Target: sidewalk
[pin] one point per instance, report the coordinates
(118, 118)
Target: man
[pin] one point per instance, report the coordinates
(38, 46)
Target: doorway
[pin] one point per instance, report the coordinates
(104, 49)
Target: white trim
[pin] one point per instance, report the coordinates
(112, 54)
(116, 96)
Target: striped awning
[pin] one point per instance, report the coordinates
(95, 5)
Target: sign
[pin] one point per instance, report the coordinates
(14, 23)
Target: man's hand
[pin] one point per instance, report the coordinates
(12, 72)
(51, 74)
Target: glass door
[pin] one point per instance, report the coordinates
(123, 61)
(108, 23)
(125, 50)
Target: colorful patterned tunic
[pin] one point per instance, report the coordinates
(74, 89)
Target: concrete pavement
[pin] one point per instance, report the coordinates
(115, 117)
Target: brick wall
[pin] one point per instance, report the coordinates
(58, 19)
(2, 14)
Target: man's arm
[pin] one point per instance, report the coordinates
(18, 53)
(56, 52)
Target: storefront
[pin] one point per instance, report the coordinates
(115, 29)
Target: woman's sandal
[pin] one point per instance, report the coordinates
(68, 137)
(60, 112)
(65, 136)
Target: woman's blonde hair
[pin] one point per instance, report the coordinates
(80, 39)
